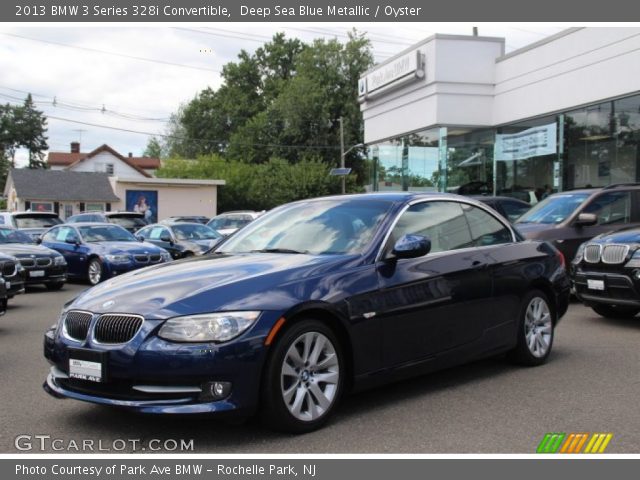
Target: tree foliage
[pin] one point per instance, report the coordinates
(281, 102)
(258, 187)
(22, 126)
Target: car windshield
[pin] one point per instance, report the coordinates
(319, 227)
(191, 231)
(105, 233)
(128, 222)
(554, 209)
(8, 235)
(231, 221)
(36, 221)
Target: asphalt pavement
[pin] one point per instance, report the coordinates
(590, 384)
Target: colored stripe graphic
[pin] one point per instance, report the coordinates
(574, 442)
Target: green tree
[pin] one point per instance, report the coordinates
(32, 133)
(154, 148)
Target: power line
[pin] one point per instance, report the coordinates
(116, 54)
(199, 140)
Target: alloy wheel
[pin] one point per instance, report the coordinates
(310, 376)
(95, 272)
(538, 327)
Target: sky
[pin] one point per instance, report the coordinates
(119, 84)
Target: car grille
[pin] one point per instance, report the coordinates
(43, 262)
(76, 324)
(592, 253)
(8, 268)
(32, 262)
(116, 328)
(142, 258)
(614, 253)
(154, 258)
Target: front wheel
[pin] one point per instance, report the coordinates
(94, 271)
(303, 378)
(535, 330)
(614, 311)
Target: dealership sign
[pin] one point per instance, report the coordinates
(532, 142)
(405, 68)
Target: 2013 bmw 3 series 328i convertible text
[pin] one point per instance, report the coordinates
(311, 300)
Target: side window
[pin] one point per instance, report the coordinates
(514, 210)
(157, 232)
(144, 233)
(611, 208)
(51, 235)
(485, 228)
(66, 233)
(444, 223)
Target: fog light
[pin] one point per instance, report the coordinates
(212, 391)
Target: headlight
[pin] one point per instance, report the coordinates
(580, 253)
(166, 257)
(118, 258)
(59, 260)
(634, 261)
(208, 327)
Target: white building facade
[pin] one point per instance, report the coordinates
(454, 113)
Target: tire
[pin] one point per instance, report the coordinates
(55, 286)
(614, 311)
(294, 398)
(536, 324)
(94, 271)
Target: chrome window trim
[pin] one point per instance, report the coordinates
(444, 199)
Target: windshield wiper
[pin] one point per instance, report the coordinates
(280, 250)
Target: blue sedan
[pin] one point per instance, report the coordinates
(97, 251)
(307, 302)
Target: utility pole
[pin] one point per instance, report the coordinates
(342, 154)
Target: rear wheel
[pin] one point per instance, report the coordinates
(94, 271)
(615, 311)
(303, 379)
(535, 330)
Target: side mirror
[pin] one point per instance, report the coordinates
(166, 238)
(586, 220)
(411, 246)
(140, 238)
(38, 240)
(72, 241)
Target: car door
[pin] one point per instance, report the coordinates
(437, 302)
(66, 240)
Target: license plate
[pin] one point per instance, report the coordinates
(89, 365)
(595, 284)
(36, 273)
(7, 285)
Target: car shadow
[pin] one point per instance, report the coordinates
(217, 435)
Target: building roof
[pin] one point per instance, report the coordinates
(69, 159)
(62, 185)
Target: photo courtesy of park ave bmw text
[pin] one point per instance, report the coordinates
(319, 239)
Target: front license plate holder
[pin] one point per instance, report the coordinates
(88, 365)
(593, 284)
(36, 273)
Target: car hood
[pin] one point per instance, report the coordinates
(631, 236)
(23, 249)
(210, 283)
(133, 248)
(533, 230)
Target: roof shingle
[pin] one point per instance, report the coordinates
(62, 185)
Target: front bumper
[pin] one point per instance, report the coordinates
(52, 274)
(152, 375)
(619, 289)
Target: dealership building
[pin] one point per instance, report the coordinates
(456, 111)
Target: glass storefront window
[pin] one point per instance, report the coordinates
(601, 142)
(408, 163)
(469, 169)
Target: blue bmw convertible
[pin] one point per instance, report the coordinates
(311, 300)
(96, 251)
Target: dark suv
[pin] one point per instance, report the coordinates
(132, 221)
(606, 273)
(568, 219)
